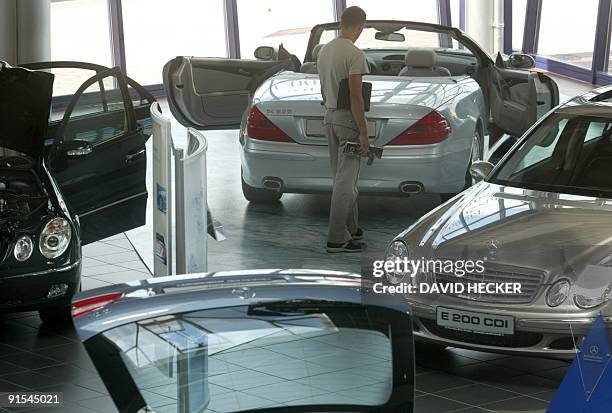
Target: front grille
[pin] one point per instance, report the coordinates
(518, 339)
(530, 280)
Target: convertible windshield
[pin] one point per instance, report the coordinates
(400, 38)
(565, 154)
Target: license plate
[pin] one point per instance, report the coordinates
(315, 128)
(475, 322)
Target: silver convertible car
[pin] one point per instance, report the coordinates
(434, 91)
(542, 218)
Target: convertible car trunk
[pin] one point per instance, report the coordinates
(396, 104)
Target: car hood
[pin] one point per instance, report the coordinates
(558, 233)
(25, 102)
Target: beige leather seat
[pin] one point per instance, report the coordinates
(422, 63)
(311, 67)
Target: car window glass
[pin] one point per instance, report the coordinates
(564, 154)
(229, 360)
(545, 150)
(67, 81)
(141, 105)
(99, 113)
(595, 130)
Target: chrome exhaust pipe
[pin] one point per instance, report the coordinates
(273, 184)
(411, 188)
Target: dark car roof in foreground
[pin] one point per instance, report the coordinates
(145, 299)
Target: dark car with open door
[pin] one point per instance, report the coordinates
(72, 172)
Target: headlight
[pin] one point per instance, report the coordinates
(558, 293)
(55, 238)
(397, 250)
(23, 248)
(586, 303)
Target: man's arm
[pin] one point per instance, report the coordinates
(358, 110)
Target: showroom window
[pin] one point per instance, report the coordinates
(567, 33)
(159, 30)
(421, 11)
(80, 31)
(455, 9)
(272, 22)
(519, 10)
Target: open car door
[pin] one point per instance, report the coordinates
(213, 93)
(519, 97)
(98, 157)
(69, 75)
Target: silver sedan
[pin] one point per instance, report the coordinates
(542, 218)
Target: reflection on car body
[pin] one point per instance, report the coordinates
(265, 341)
(542, 217)
(433, 94)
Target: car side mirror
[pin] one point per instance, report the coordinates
(480, 170)
(521, 61)
(265, 53)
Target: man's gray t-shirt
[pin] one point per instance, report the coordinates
(337, 60)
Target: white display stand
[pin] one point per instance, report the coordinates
(188, 203)
(191, 206)
(162, 193)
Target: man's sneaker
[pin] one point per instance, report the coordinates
(350, 246)
(358, 236)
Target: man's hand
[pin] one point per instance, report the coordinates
(364, 143)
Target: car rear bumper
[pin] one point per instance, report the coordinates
(31, 291)
(305, 168)
(535, 334)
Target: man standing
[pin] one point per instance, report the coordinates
(338, 60)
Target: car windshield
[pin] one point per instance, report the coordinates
(565, 154)
(270, 356)
(388, 37)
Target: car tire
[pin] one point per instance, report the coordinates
(260, 195)
(55, 315)
(477, 152)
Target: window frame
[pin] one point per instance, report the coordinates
(232, 38)
(596, 74)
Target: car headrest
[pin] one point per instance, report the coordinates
(420, 58)
(315, 51)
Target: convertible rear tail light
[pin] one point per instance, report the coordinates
(433, 128)
(261, 128)
(82, 307)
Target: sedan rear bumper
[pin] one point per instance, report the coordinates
(305, 168)
(32, 291)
